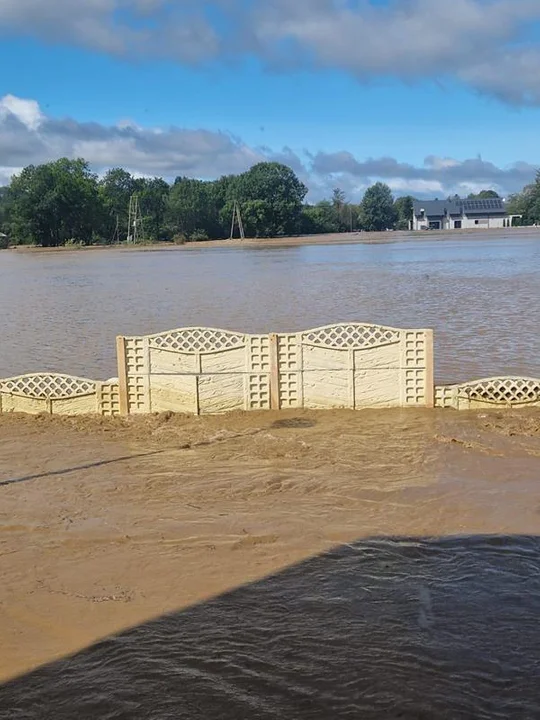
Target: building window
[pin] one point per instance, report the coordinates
(457, 224)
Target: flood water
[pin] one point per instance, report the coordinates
(414, 629)
(62, 311)
(441, 622)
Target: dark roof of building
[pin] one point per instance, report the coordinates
(437, 208)
(489, 205)
(440, 208)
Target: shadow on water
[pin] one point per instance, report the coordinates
(410, 628)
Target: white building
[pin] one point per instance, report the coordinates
(457, 214)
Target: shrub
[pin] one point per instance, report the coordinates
(75, 244)
(198, 235)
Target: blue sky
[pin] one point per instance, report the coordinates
(429, 96)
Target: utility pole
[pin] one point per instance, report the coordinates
(116, 234)
(135, 221)
(237, 218)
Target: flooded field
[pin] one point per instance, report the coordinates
(304, 565)
(62, 311)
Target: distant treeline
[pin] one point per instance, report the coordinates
(63, 202)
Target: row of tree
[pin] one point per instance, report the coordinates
(64, 202)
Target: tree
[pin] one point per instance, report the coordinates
(319, 219)
(527, 203)
(53, 203)
(153, 197)
(3, 207)
(403, 208)
(192, 209)
(483, 195)
(377, 210)
(116, 189)
(270, 197)
(4, 241)
(341, 210)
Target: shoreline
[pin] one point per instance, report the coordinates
(355, 238)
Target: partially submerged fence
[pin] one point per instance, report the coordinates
(207, 370)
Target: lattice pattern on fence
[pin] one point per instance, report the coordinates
(497, 391)
(354, 336)
(48, 386)
(192, 341)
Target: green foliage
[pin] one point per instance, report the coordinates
(377, 211)
(191, 205)
(153, 197)
(198, 235)
(330, 216)
(319, 218)
(74, 244)
(343, 211)
(52, 203)
(527, 203)
(483, 195)
(403, 208)
(270, 197)
(3, 208)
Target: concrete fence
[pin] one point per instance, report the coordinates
(207, 370)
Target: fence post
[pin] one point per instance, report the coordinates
(122, 375)
(430, 372)
(274, 372)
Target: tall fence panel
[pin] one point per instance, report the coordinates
(207, 370)
(355, 365)
(194, 370)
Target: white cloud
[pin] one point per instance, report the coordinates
(28, 136)
(483, 43)
(26, 111)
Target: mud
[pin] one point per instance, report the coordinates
(107, 523)
(365, 238)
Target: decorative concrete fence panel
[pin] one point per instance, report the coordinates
(206, 370)
(355, 365)
(490, 393)
(194, 370)
(58, 395)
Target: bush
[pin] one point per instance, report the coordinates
(75, 244)
(179, 239)
(198, 235)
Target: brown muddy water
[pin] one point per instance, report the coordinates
(373, 564)
(62, 311)
(376, 564)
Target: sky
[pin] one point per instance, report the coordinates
(433, 97)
